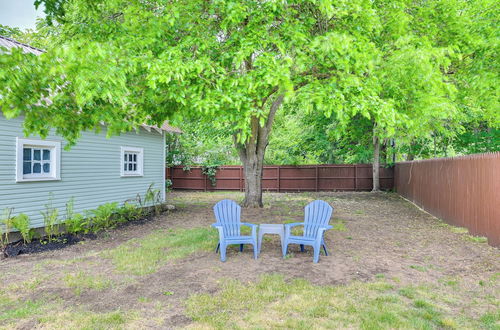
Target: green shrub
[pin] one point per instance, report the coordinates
(5, 226)
(51, 220)
(130, 211)
(22, 223)
(102, 217)
(153, 198)
(74, 223)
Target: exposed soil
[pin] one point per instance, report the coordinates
(384, 234)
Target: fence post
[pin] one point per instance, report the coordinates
(355, 177)
(241, 178)
(205, 179)
(279, 178)
(317, 178)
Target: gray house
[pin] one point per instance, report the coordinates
(95, 171)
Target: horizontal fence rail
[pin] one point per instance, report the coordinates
(284, 178)
(462, 191)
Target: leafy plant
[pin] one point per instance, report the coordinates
(130, 211)
(5, 226)
(168, 184)
(22, 223)
(153, 197)
(74, 223)
(210, 171)
(102, 217)
(51, 220)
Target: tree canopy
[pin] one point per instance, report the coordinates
(387, 69)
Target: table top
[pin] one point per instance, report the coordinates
(271, 225)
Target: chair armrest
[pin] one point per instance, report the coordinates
(295, 224)
(289, 226)
(221, 231)
(248, 224)
(254, 228)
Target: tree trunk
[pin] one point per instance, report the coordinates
(376, 163)
(252, 153)
(253, 181)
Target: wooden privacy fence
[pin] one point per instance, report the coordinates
(463, 191)
(284, 178)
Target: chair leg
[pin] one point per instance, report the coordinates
(223, 252)
(301, 247)
(284, 248)
(217, 249)
(241, 247)
(324, 248)
(317, 249)
(255, 251)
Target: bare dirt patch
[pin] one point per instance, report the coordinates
(377, 235)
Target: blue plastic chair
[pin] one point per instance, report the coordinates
(317, 216)
(227, 213)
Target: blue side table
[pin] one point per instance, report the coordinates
(270, 228)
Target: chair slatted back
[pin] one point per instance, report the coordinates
(227, 213)
(317, 214)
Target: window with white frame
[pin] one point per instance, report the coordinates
(37, 160)
(132, 161)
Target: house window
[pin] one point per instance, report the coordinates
(37, 160)
(132, 161)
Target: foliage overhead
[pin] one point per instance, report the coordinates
(410, 69)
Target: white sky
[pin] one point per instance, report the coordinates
(19, 13)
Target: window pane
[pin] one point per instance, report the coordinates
(125, 166)
(26, 153)
(46, 154)
(26, 167)
(37, 167)
(135, 157)
(130, 166)
(129, 157)
(37, 153)
(135, 167)
(46, 168)
(125, 157)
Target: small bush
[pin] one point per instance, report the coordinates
(22, 223)
(102, 217)
(5, 227)
(74, 223)
(51, 220)
(153, 197)
(130, 211)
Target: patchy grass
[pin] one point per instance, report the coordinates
(86, 320)
(339, 225)
(477, 239)
(81, 281)
(12, 309)
(459, 230)
(145, 255)
(273, 302)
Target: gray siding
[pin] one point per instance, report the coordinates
(90, 171)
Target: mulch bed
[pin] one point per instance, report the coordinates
(61, 241)
(43, 245)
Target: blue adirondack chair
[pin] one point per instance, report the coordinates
(227, 213)
(317, 216)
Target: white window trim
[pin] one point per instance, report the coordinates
(55, 163)
(140, 161)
